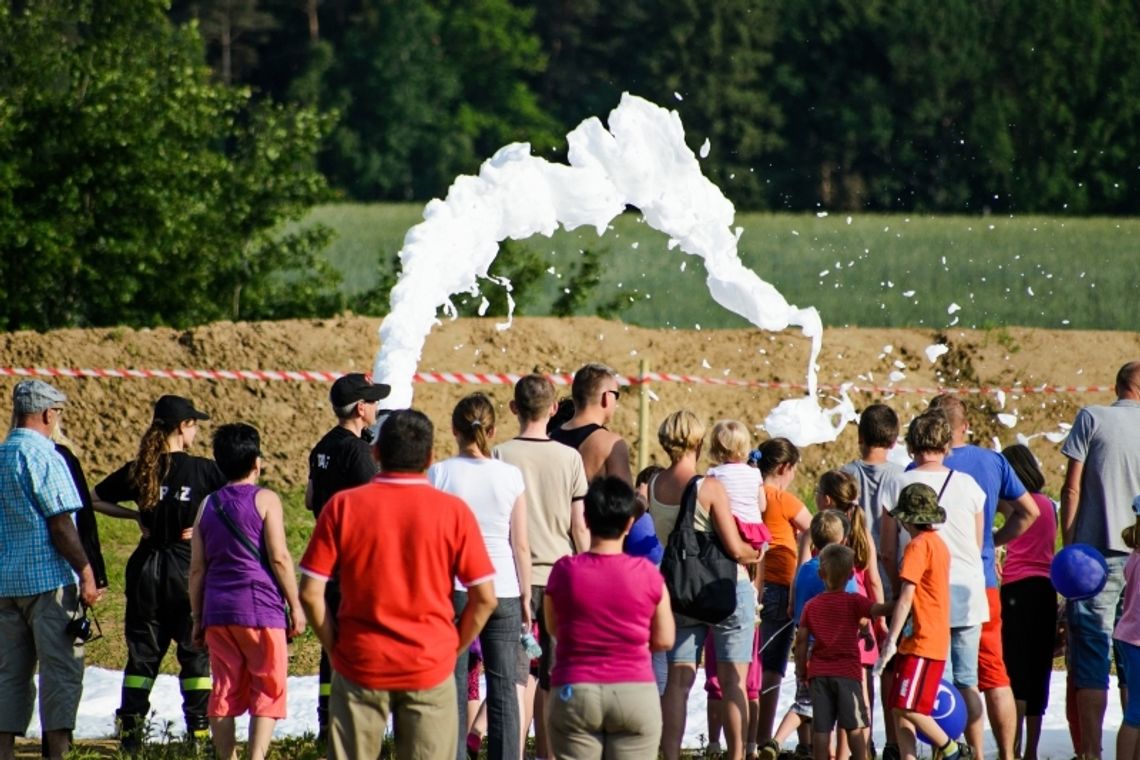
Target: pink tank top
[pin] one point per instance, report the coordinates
(866, 657)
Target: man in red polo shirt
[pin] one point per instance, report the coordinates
(396, 545)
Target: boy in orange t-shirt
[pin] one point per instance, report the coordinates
(925, 598)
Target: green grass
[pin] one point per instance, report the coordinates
(856, 272)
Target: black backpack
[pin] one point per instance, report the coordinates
(699, 574)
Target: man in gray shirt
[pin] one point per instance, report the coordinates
(1102, 478)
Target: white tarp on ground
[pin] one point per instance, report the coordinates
(101, 697)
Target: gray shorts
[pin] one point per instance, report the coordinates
(33, 628)
(837, 699)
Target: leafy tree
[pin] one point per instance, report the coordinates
(136, 190)
(232, 30)
(428, 90)
(717, 57)
(396, 94)
(493, 50)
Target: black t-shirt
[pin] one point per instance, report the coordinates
(85, 518)
(188, 481)
(340, 460)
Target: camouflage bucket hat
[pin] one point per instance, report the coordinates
(918, 505)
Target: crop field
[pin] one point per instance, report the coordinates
(859, 270)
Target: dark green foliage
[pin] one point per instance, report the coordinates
(135, 189)
(959, 106)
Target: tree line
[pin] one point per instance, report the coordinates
(155, 155)
(957, 106)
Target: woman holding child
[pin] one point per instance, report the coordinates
(682, 435)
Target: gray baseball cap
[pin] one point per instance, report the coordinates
(34, 396)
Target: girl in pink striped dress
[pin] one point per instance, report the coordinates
(838, 490)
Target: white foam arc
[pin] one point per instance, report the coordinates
(641, 161)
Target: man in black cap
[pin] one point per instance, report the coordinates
(341, 459)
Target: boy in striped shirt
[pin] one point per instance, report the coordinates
(834, 620)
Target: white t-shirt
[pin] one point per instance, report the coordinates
(963, 501)
(491, 488)
(743, 485)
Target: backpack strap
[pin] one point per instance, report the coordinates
(944, 484)
(237, 533)
(688, 512)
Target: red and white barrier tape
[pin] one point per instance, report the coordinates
(510, 378)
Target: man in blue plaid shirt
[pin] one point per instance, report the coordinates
(40, 556)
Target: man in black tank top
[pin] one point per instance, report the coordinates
(342, 459)
(595, 390)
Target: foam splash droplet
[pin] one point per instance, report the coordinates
(935, 351)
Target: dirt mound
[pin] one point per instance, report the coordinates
(107, 416)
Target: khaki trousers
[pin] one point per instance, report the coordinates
(615, 721)
(427, 723)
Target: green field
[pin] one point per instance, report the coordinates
(857, 269)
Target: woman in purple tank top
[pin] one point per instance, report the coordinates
(241, 579)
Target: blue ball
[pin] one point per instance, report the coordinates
(1078, 572)
(949, 712)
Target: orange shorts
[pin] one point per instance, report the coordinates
(249, 667)
(991, 664)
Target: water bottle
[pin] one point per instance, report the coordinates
(533, 650)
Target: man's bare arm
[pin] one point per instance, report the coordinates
(1023, 512)
(65, 539)
(617, 462)
(312, 595)
(1070, 499)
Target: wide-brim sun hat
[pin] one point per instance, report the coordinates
(918, 505)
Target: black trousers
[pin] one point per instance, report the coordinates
(332, 603)
(158, 614)
(1028, 626)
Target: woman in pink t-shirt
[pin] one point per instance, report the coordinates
(1027, 599)
(608, 611)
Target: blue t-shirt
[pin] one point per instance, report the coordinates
(642, 540)
(809, 585)
(998, 481)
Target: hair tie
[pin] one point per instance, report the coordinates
(476, 424)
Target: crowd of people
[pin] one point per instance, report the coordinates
(588, 597)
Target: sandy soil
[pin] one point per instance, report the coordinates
(107, 416)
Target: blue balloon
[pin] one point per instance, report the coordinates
(949, 712)
(1078, 572)
(642, 540)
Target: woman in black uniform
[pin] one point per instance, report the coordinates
(167, 485)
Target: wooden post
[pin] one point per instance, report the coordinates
(643, 420)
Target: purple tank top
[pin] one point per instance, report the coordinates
(239, 590)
